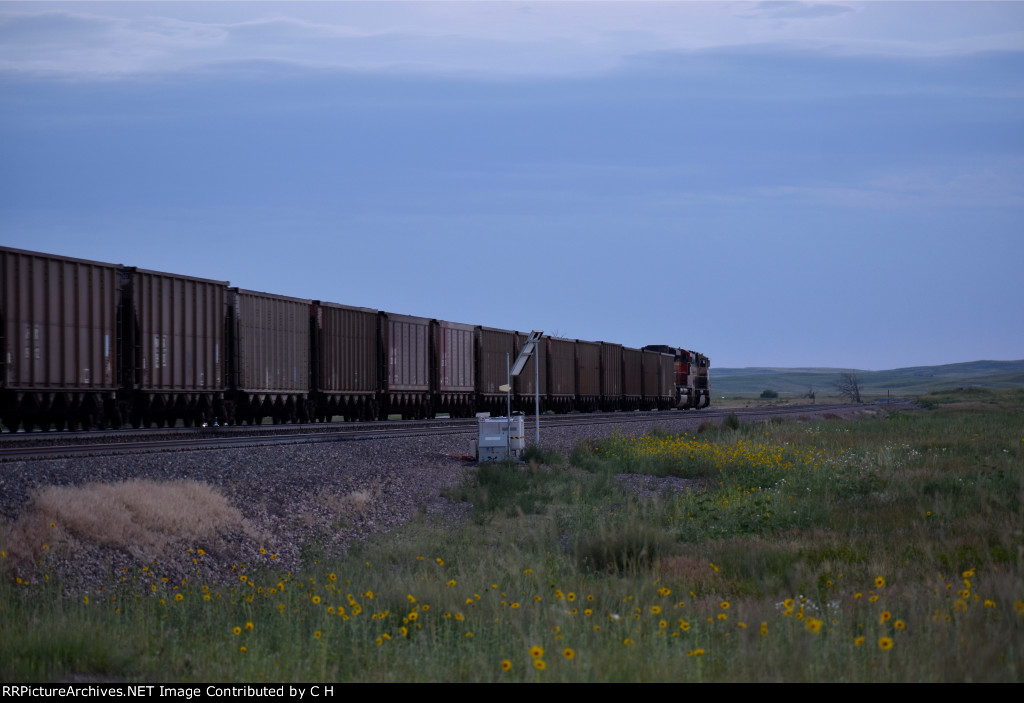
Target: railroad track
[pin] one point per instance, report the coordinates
(51, 445)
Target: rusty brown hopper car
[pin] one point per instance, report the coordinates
(632, 383)
(495, 349)
(561, 373)
(455, 360)
(525, 397)
(58, 341)
(346, 361)
(85, 343)
(651, 375)
(270, 357)
(174, 351)
(407, 369)
(611, 376)
(588, 375)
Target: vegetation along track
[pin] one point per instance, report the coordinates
(29, 447)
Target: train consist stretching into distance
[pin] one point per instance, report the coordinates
(90, 344)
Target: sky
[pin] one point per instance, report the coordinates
(820, 184)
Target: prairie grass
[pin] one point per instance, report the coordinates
(885, 549)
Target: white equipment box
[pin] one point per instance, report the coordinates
(500, 438)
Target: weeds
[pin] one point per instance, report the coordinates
(871, 550)
(628, 548)
(538, 455)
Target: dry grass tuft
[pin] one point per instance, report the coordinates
(354, 506)
(140, 517)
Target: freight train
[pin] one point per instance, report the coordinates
(89, 344)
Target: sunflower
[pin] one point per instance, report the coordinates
(536, 651)
(568, 653)
(879, 582)
(539, 664)
(885, 643)
(506, 665)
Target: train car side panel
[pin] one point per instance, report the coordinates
(177, 343)
(456, 368)
(611, 376)
(59, 340)
(494, 350)
(407, 348)
(651, 379)
(561, 360)
(347, 361)
(524, 386)
(632, 378)
(588, 375)
(271, 356)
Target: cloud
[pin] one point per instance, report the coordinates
(72, 43)
(797, 10)
(493, 39)
(912, 191)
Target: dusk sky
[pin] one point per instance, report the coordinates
(771, 184)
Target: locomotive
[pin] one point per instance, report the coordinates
(90, 344)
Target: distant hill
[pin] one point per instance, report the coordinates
(912, 380)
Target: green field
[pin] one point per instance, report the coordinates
(748, 383)
(881, 549)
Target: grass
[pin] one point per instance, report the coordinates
(882, 549)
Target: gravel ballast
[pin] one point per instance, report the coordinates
(293, 496)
